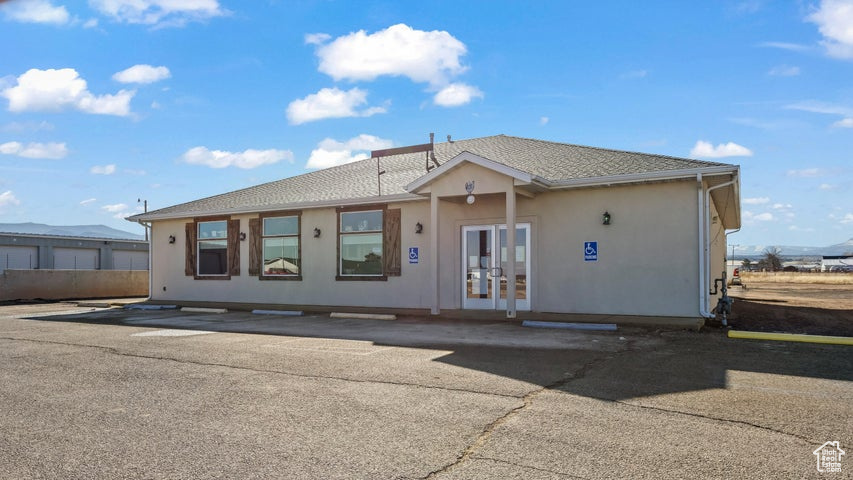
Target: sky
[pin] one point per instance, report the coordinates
(108, 102)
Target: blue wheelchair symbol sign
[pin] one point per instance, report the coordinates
(413, 254)
(590, 251)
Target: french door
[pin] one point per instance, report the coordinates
(484, 259)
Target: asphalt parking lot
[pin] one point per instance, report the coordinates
(109, 393)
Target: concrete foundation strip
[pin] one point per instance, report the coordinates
(363, 316)
(791, 337)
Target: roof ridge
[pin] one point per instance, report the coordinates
(616, 150)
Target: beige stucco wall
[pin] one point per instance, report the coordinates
(647, 261)
(63, 284)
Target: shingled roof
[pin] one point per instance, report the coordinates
(554, 163)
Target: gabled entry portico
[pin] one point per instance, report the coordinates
(491, 273)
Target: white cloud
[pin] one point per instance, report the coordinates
(53, 150)
(24, 127)
(247, 159)
(834, 19)
(330, 152)
(159, 13)
(399, 50)
(142, 74)
(55, 90)
(103, 170)
(820, 107)
(844, 123)
(7, 199)
(827, 186)
(456, 94)
(707, 150)
(37, 11)
(88, 201)
(330, 103)
(749, 217)
(847, 218)
(756, 201)
(118, 207)
(794, 47)
(784, 71)
(782, 206)
(805, 173)
(544, 120)
(317, 38)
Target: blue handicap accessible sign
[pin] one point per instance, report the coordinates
(590, 251)
(413, 254)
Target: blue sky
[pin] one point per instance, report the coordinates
(108, 101)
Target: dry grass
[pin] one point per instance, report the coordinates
(797, 277)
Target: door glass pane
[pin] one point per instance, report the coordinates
(478, 252)
(520, 263)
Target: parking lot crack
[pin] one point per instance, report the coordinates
(805, 440)
(526, 402)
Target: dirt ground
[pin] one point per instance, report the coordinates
(793, 308)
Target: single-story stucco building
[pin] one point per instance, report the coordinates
(597, 231)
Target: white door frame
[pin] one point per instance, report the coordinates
(488, 266)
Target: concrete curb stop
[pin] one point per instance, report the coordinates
(287, 313)
(204, 310)
(363, 316)
(608, 327)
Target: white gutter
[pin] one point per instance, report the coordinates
(704, 204)
(642, 177)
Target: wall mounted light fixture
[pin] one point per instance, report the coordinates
(419, 228)
(242, 236)
(171, 239)
(469, 187)
(316, 232)
(605, 219)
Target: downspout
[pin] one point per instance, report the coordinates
(150, 232)
(705, 243)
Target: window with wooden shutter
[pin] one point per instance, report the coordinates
(234, 248)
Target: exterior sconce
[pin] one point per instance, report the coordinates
(171, 239)
(316, 232)
(242, 236)
(419, 228)
(469, 187)
(605, 219)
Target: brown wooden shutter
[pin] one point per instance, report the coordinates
(392, 243)
(234, 247)
(255, 248)
(189, 266)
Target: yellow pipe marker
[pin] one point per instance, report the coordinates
(791, 337)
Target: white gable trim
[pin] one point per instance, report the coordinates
(521, 177)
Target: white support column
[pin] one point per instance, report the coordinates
(510, 253)
(433, 253)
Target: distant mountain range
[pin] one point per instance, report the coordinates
(93, 231)
(788, 251)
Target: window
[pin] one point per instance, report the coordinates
(361, 246)
(281, 246)
(213, 248)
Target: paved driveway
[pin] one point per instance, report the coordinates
(137, 394)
